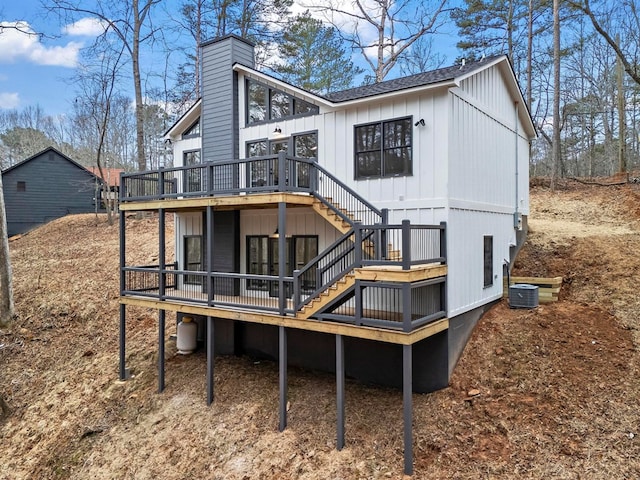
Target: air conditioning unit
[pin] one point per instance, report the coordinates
(523, 295)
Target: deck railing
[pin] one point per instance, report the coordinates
(272, 173)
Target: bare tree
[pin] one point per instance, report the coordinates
(7, 311)
(128, 20)
(383, 30)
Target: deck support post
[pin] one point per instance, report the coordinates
(282, 252)
(123, 370)
(161, 254)
(407, 407)
(283, 377)
(210, 360)
(161, 326)
(123, 319)
(340, 391)
(209, 253)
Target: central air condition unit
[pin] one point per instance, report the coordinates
(523, 295)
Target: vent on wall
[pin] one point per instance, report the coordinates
(523, 295)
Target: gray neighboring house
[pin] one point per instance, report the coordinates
(44, 187)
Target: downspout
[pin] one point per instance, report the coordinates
(515, 218)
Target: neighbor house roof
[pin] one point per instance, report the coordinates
(112, 175)
(41, 153)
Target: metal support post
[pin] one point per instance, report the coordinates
(124, 374)
(210, 360)
(340, 391)
(161, 327)
(161, 254)
(283, 377)
(406, 245)
(407, 408)
(282, 264)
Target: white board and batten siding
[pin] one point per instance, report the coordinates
(488, 154)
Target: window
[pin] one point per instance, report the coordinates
(383, 149)
(488, 261)
(262, 259)
(21, 186)
(193, 176)
(257, 261)
(193, 258)
(193, 130)
(264, 104)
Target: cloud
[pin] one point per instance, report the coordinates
(18, 42)
(9, 100)
(86, 27)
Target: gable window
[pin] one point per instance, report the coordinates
(383, 149)
(265, 103)
(193, 130)
(488, 261)
(21, 186)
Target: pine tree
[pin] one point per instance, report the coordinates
(313, 57)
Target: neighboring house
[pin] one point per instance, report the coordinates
(363, 232)
(44, 187)
(111, 177)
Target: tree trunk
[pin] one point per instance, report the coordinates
(135, 61)
(622, 120)
(6, 290)
(556, 93)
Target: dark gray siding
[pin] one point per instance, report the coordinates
(220, 96)
(54, 187)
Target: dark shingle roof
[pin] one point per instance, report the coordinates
(421, 79)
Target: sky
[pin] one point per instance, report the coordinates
(38, 70)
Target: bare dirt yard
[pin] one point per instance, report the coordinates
(558, 385)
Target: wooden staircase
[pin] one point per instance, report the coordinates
(328, 296)
(332, 217)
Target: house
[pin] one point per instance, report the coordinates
(111, 177)
(44, 187)
(363, 232)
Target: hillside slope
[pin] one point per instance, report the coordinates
(558, 385)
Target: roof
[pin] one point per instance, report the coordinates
(418, 80)
(41, 153)
(112, 174)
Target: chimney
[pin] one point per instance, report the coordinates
(220, 115)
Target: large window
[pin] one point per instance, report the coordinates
(488, 260)
(265, 103)
(262, 259)
(383, 149)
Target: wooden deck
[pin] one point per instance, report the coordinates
(335, 328)
(227, 202)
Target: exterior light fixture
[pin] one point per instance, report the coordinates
(419, 122)
(277, 131)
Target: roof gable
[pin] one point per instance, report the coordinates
(41, 154)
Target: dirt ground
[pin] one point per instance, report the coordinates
(557, 386)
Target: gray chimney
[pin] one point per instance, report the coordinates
(220, 114)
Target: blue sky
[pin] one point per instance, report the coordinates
(37, 70)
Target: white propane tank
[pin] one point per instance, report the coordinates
(186, 337)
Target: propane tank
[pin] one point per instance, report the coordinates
(187, 334)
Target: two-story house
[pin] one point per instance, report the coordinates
(363, 232)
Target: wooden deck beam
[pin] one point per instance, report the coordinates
(394, 273)
(228, 202)
(334, 328)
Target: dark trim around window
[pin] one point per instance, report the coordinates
(383, 149)
(488, 260)
(273, 105)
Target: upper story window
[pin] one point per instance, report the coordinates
(383, 149)
(21, 186)
(267, 104)
(193, 130)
